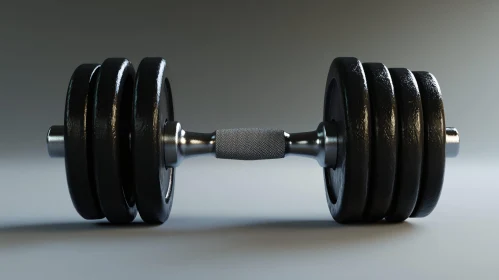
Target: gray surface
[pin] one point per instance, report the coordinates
(240, 220)
(246, 64)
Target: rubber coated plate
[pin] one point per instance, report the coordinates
(112, 126)
(78, 142)
(347, 103)
(410, 151)
(432, 177)
(384, 137)
(153, 105)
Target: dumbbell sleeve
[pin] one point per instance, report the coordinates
(250, 143)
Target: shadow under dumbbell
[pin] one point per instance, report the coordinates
(258, 235)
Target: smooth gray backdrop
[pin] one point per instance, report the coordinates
(246, 64)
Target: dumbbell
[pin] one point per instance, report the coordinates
(382, 142)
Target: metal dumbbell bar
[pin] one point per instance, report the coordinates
(378, 162)
(246, 143)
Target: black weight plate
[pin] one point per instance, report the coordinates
(347, 103)
(410, 145)
(153, 105)
(432, 177)
(112, 126)
(78, 141)
(384, 138)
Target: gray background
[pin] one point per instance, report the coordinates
(246, 64)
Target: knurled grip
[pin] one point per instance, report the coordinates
(250, 143)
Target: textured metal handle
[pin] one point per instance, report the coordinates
(250, 143)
